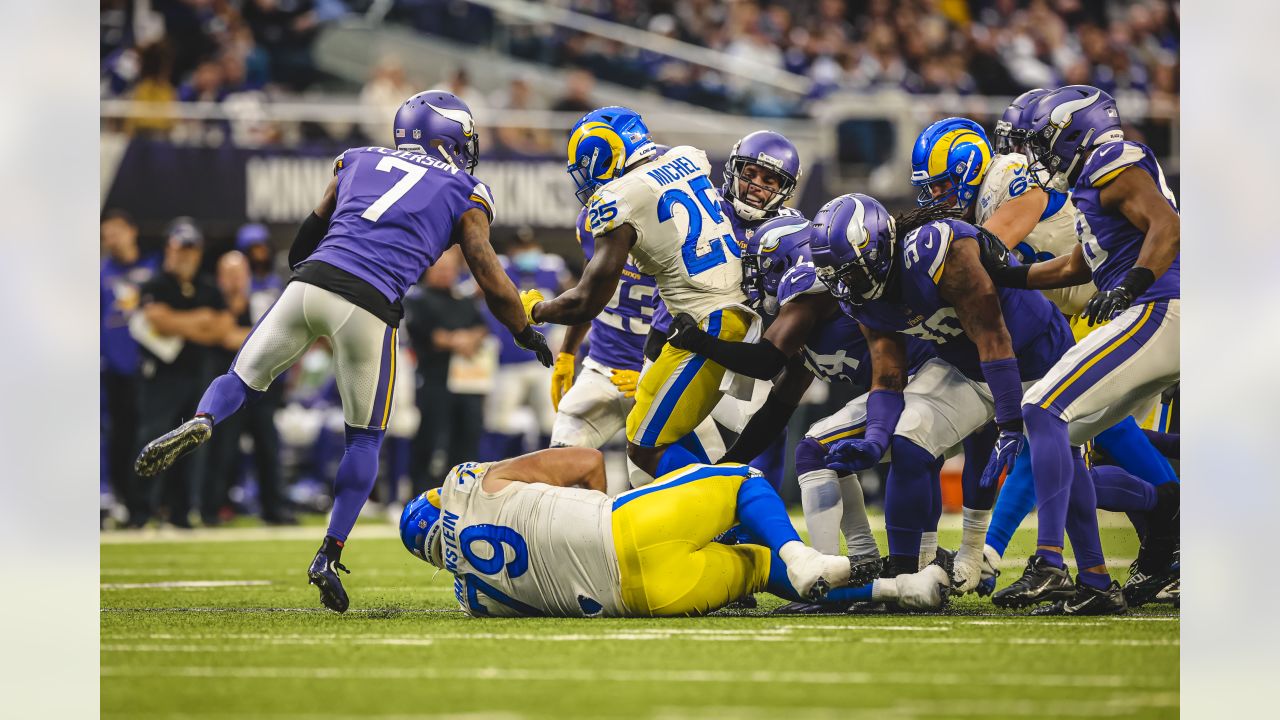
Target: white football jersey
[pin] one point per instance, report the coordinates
(1054, 235)
(529, 549)
(683, 236)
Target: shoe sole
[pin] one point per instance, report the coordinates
(159, 454)
(328, 597)
(1140, 595)
(1020, 603)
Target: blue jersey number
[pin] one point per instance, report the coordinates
(700, 255)
(498, 538)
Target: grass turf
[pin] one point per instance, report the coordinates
(237, 633)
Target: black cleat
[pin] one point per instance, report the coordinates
(1143, 587)
(864, 568)
(162, 452)
(804, 608)
(1088, 601)
(746, 602)
(946, 559)
(1040, 582)
(323, 573)
(1158, 564)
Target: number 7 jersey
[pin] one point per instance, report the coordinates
(683, 236)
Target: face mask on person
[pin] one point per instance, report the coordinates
(528, 260)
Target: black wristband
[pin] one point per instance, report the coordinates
(1010, 277)
(525, 336)
(766, 425)
(1137, 280)
(310, 233)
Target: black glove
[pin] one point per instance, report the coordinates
(532, 340)
(995, 258)
(686, 335)
(1106, 305)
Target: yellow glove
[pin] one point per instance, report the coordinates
(561, 378)
(626, 381)
(529, 298)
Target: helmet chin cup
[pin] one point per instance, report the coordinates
(747, 212)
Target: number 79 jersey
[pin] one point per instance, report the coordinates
(683, 236)
(529, 549)
(395, 215)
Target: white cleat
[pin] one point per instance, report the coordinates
(924, 590)
(967, 572)
(813, 574)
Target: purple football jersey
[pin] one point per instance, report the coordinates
(1111, 243)
(616, 338)
(120, 286)
(1039, 332)
(836, 349)
(395, 215)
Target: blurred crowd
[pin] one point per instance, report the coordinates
(985, 47)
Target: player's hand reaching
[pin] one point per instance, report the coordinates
(685, 333)
(529, 298)
(1008, 445)
(561, 378)
(853, 455)
(626, 381)
(533, 341)
(1106, 305)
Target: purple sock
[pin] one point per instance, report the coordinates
(1052, 468)
(1097, 581)
(1118, 491)
(1082, 521)
(224, 396)
(356, 475)
(935, 496)
(908, 499)
(1054, 557)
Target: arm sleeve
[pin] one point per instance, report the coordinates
(760, 360)
(766, 425)
(310, 233)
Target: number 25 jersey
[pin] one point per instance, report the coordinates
(683, 237)
(529, 549)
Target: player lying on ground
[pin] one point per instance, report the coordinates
(535, 535)
(384, 219)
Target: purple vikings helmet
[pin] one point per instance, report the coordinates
(773, 249)
(436, 115)
(852, 245)
(1011, 129)
(771, 151)
(1066, 124)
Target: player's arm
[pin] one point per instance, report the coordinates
(585, 300)
(573, 337)
(1015, 219)
(561, 467)
(885, 404)
(770, 421)
(966, 285)
(313, 228)
(205, 326)
(764, 359)
(1067, 270)
(1134, 194)
(500, 293)
(888, 353)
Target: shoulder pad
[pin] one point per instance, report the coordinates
(924, 251)
(339, 162)
(606, 210)
(801, 279)
(1107, 161)
(482, 198)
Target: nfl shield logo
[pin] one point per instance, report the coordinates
(417, 134)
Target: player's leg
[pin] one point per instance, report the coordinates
(591, 412)
(1092, 387)
(835, 505)
(275, 342)
(971, 563)
(678, 392)
(365, 369)
(1129, 446)
(660, 530)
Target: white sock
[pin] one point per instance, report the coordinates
(883, 589)
(975, 529)
(928, 548)
(820, 498)
(835, 568)
(637, 477)
(794, 551)
(853, 522)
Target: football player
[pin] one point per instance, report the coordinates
(384, 218)
(534, 536)
(1129, 231)
(666, 214)
(990, 341)
(953, 165)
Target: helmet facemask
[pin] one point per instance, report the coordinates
(734, 175)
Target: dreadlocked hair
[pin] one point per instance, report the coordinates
(912, 219)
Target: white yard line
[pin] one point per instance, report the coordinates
(183, 584)
(981, 676)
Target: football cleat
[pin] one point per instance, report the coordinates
(323, 573)
(971, 566)
(814, 574)
(162, 452)
(864, 568)
(746, 602)
(928, 589)
(1040, 582)
(1088, 600)
(1158, 563)
(990, 571)
(944, 558)
(1143, 587)
(805, 608)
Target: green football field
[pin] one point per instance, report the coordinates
(221, 624)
